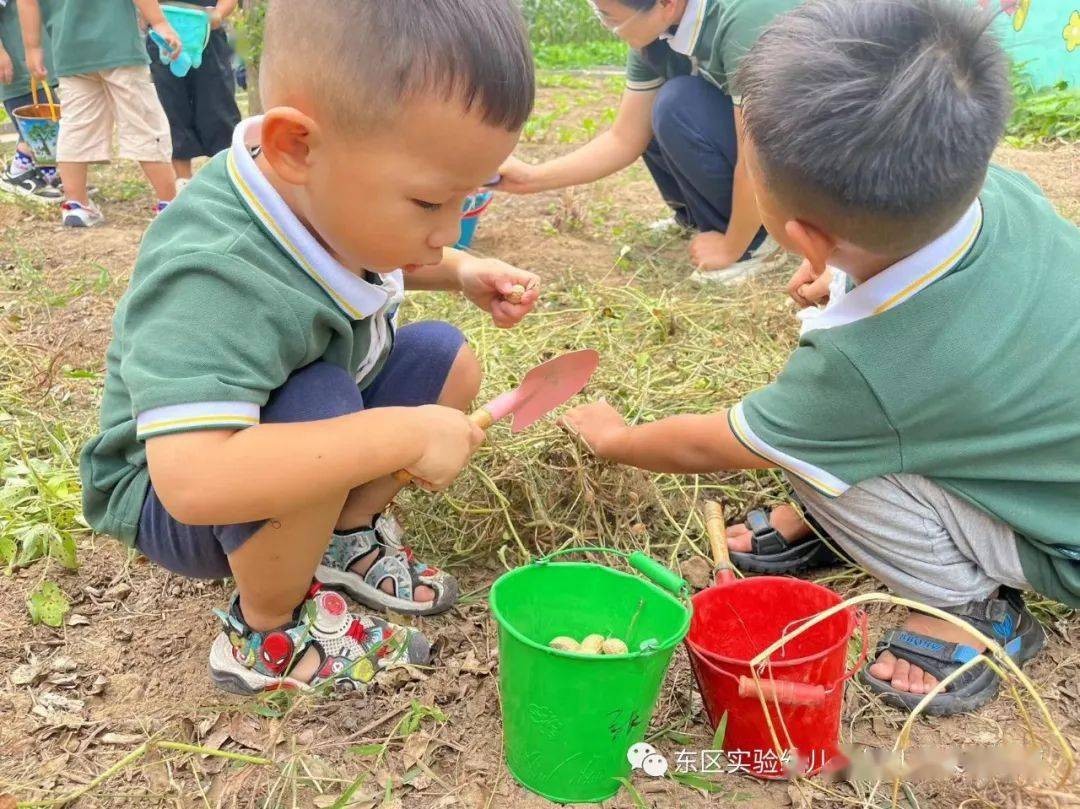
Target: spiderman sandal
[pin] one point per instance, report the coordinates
(352, 649)
(394, 562)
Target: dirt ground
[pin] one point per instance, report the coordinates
(130, 661)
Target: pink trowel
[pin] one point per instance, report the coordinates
(543, 389)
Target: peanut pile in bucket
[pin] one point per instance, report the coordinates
(591, 645)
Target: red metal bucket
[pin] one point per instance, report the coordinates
(802, 685)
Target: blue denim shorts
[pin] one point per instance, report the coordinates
(414, 375)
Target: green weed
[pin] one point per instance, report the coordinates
(1042, 115)
(561, 21)
(579, 55)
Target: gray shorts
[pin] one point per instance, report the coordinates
(414, 375)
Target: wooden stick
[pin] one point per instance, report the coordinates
(714, 525)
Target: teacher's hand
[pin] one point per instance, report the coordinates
(518, 177)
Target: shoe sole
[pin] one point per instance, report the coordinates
(79, 222)
(737, 274)
(376, 599)
(24, 193)
(230, 676)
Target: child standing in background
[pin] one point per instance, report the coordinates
(23, 176)
(104, 79)
(201, 106)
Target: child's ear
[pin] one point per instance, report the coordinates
(669, 7)
(812, 244)
(288, 138)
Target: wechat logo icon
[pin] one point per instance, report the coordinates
(644, 757)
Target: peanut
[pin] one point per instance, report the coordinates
(565, 644)
(614, 646)
(592, 645)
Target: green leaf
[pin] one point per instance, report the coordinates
(48, 605)
(33, 546)
(696, 782)
(62, 549)
(367, 749)
(8, 549)
(635, 796)
(721, 732)
(346, 796)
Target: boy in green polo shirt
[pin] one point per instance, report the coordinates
(104, 75)
(259, 395)
(928, 419)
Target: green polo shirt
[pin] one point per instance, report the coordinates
(93, 35)
(229, 296)
(11, 39)
(960, 363)
(710, 41)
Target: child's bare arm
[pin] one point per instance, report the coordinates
(222, 10)
(7, 69)
(223, 477)
(607, 153)
(745, 219)
(155, 18)
(30, 22)
(689, 444)
(150, 11)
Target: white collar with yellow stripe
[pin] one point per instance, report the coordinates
(356, 297)
(688, 32)
(907, 277)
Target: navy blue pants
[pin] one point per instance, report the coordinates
(414, 375)
(693, 153)
(201, 106)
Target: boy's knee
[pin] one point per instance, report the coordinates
(463, 383)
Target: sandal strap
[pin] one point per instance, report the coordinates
(907, 642)
(392, 566)
(766, 540)
(992, 610)
(393, 560)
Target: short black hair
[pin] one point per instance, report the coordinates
(883, 109)
(368, 57)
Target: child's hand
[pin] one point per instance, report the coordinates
(450, 440)
(166, 32)
(808, 288)
(35, 63)
(599, 425)
(490, 283)
(516, 177)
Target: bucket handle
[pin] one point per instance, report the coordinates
(641, 562)
(787, 692)
(53, 106)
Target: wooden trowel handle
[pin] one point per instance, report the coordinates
(480, 417)
(714, 525)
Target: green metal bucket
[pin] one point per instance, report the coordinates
(569, 719)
